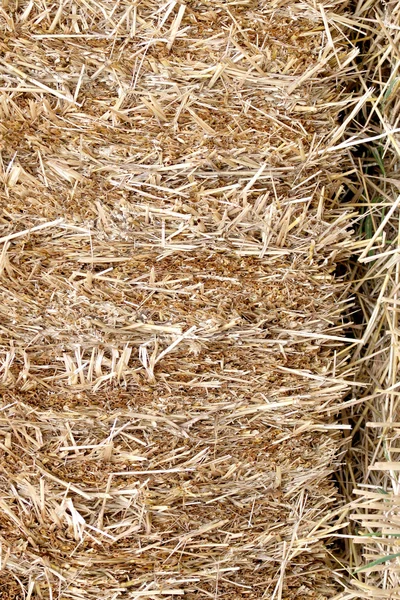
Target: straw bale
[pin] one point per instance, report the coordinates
(171, 332)
(370, 476)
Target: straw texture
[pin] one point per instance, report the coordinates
(371, 474)
(171, 334)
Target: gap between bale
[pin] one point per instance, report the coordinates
(369, 478)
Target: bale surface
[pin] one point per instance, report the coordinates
(370, 475)
(171, 340)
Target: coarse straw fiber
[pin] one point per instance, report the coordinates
(370, 477)
(172, 344)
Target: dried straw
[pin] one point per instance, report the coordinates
(371, 476)
(172, 342)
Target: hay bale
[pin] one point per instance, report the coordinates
(370, 474)
(171, 331)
